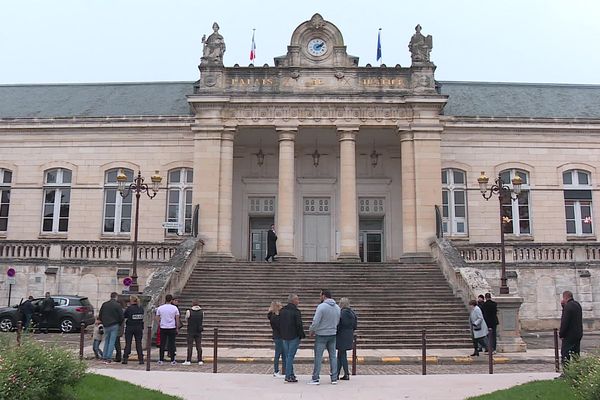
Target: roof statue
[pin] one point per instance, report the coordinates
(214, 48)
(420, 46)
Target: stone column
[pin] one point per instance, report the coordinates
(348, 208)
(421, 185)
(286, 194)
(225, 194)
(207, 167)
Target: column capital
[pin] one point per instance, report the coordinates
(287, 134)
(229, 133)
(347, 133)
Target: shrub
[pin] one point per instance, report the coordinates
(583, 374)
(35, 372)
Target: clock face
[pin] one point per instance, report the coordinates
(317, 47)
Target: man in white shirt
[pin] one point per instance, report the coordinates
(167, 316)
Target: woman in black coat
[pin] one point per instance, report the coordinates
(273, 317)
(345, 336)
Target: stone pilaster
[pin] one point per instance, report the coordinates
(348, 208)
(286, 193)
(207, 168)
(225, 194)
(421, 185)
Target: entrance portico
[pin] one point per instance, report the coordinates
(317, 134)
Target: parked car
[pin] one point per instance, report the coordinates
(69, 312)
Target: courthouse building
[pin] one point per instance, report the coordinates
(347, 160)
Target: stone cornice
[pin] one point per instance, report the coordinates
(96, 122)
(482, 125)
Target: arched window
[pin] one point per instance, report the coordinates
(518, 211)
(57, 199)
(577, 186)
(117, 210)
(5, 182)
(454, 202)
(179, 200)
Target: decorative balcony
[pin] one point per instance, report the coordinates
(521, 253)
(84, 251)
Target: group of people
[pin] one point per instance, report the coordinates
(37, 314)
(483, 316)
(333, 327)
(113, 322)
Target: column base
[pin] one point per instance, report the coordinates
(348, 258)
(511, 345)
(218, 257)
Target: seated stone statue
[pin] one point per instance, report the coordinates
(214, 47)
(420, 46)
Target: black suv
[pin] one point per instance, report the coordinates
(69, 312)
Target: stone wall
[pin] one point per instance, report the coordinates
(96, 280)
(541, 288)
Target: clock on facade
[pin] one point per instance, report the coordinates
(317, 47)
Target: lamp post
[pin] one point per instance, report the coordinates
(138, 187)
(501, 189)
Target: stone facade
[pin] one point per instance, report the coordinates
(340, 157)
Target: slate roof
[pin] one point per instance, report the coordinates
(95, 100)
(494, 99)
(483, 99)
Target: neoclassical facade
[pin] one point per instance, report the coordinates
(347, 161)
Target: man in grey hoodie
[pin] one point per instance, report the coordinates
(324, 328)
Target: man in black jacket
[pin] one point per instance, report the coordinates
(292, 331)
(571, 327)
(490, 315)
(46, 308)
(111, 315)
(134, 328)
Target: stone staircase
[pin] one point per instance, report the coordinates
(394, 302)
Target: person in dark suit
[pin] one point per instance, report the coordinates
(271, 244)
(345, 337)
(490, 315)
(571, 327)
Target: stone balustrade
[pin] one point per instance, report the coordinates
(84, 250)
(529, 252)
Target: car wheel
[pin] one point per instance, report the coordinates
(6, 324)
(67, 325)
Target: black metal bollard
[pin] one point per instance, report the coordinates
(148, 346)
(81, 339)
(19, 330)
(424, 352)
(215, 346)
(490, 352)
(556, 359)
(354, 359)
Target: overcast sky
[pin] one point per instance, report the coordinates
(61, 41)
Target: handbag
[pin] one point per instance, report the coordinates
(477, 327)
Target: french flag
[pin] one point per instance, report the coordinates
(253, 48)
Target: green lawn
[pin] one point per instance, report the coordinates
(98, 387)
(542, 390)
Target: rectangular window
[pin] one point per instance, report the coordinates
(4, 205)
(56, 209)
(117, 212)
(578, 217)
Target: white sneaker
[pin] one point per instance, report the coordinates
(200, 362)
(334, 382)
(313, 382)
(187, 363)
(278, 375)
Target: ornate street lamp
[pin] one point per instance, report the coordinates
(138, 186)
(501, 189)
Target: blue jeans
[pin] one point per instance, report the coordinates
(96, 347)
(279, 353)
(110, 337)
(322, 342)
(290, 347)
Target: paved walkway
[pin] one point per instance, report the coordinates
(193, 385)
